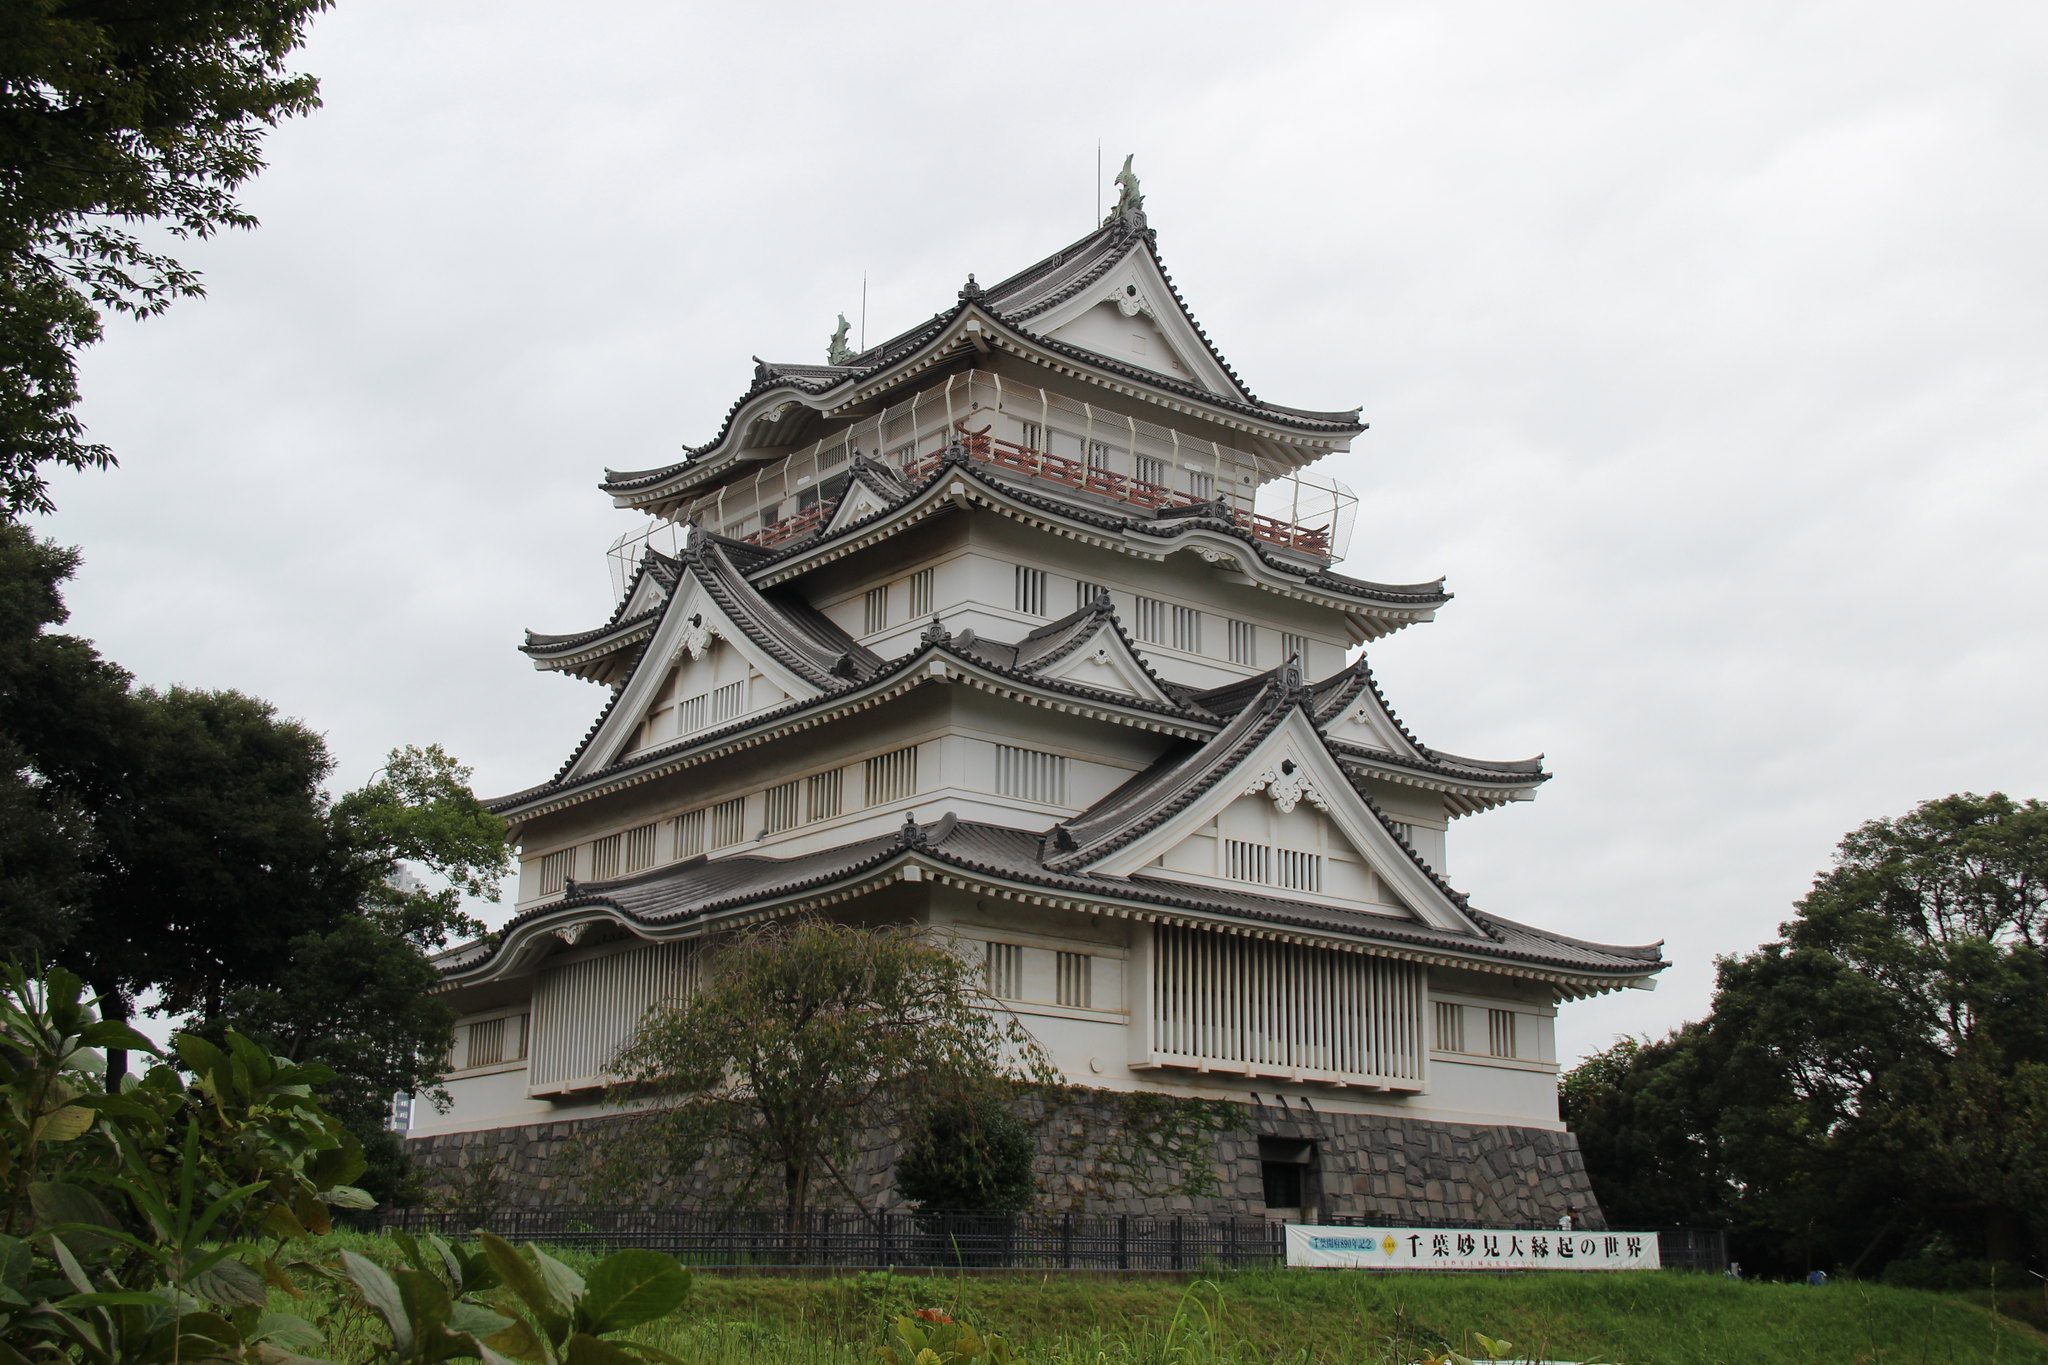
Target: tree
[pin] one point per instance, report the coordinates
(1876, 1076)
(800, 1038)
(183, 843)
(116, 114)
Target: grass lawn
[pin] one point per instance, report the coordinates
(1638, 1318)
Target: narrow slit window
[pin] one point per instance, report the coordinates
(1152, 470)
(874, 613)
(891, 776)
(1244, 642)
(604, 857)
(1300, 871)
(1005, 966)
(728, 822)
(690, 833)
(486, 1043)
(639, 848)
(554, 870)
(920, 594)
(1450, 1027)
(1085, 593)
(1076, 989)
(1500, 1032)
(1294, 646)
(1031, 775)
(1030, 596)
(1152, 620)
(822, 793)
(1032, 437)
(1187, 629)
(782, 807)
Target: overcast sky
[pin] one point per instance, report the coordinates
(1704, 350)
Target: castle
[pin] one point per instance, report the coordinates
(1022, 625)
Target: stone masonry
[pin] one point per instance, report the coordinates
(1363, 1166)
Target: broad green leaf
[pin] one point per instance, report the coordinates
(68, 1124)
(281, 1223)
(311, 1213)
(113, 1033)
(564, 1284)
(425, 1298)
(518, 1273)
(476, 1319)
(349, 1197)
(200, 1057)
(229, 1282)
(289, 1331)
(516, 1339)
(380, 1291)
(628, 1288)
(68, 1263)
(78, 1210)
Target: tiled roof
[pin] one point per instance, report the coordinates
(701, 888)
(1014, 302)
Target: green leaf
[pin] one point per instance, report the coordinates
(116, 1034)
(76, 1210)
(349, 1197)
(68, 1124)
(518, 1273)
(14, 1263)
(628, 1288)
(516, 1339)
(288, 1330)
(588, 1350)
(231, 1283)
(564, 1284)
(380, 1292)
(476, 1319)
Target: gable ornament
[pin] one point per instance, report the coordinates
(1288, 785)
(696, 641)
(837, 352)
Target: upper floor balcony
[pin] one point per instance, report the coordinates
(1053, 443)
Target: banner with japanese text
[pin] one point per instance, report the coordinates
(1390, 1248)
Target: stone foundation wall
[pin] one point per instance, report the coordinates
(1365, 1166)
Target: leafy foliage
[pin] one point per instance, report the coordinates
(970, 1155)
(113, 117)
(182, 842)
(799, 1038)
(131, 1220)
(1877, 1075)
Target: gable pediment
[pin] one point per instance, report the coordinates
(1288, 796)
(696, 643)
(1104, 660)
(1131, 314)
(859, 502)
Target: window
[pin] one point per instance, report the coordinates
(1033, 437)
(1450, 1027)
(1006, 971)
(1098, 454)
(690, 714)
(1244, 642)
(1152, 620)
(874, 610)
(728, 822)
(1031, 775)
(1284, 1166)
(639, 848)
(1187, 629)
(1247, 862)
(906, 455)
(690, 834)
(1085, 593)
(1201, 484)
(1300, 871)
(1294, 646)
(554, 870)
(728, 701)
(781, 807)
(891, 776)
(1500, 1032)
(486, 1043)
(492, 1041)
(821, 792)
(833, 458)
(1152, 470)
(1076, 986)
(604, 857)
(920, 594)
(1030, 597)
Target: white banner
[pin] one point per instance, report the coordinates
(1394, 1248)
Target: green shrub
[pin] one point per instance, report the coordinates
(972, 1155)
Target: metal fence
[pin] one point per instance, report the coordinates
(861, 1241)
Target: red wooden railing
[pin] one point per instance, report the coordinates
(1017, 458)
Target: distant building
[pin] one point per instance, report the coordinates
(1022, 625)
